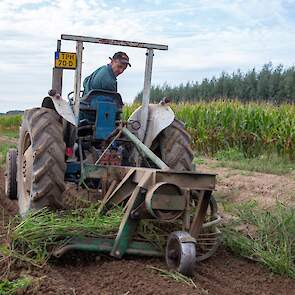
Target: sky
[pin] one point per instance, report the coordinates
(204, 39)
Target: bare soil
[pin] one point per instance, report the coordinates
(239, 185)
(80, 273)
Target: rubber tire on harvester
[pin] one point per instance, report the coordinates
(41, 137)
(173, 146)
(10, 174)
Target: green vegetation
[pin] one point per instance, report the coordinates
(253, 129)
(14, 287)
(273, 84)
(264, 235)
(273, 164)
(9, 125)
(129, 109)
(33, 238)
(10, 121)
(176, 276)
(4, 147)
(10, 133)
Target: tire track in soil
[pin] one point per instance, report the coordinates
(80, 273)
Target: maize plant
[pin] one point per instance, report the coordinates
(251, 128)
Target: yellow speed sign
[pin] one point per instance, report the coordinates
(65, 60)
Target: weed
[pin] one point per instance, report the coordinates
(266, 236)
(230, 154)
(14, 287)
(199, 161)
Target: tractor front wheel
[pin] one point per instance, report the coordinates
(41, 161)
(10, 174)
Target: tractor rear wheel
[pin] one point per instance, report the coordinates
(41, 161)
(173, 146)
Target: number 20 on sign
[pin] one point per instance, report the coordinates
(65, 60)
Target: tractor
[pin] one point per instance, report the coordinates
(144, 164)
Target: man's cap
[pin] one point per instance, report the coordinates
(122, 57)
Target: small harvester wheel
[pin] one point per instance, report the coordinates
(41, 161)
(208, 240)
(10, 174)
(181, 252)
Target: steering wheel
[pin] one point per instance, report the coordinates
(71, 96)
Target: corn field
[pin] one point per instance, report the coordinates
(252, 128)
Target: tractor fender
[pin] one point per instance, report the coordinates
(160, 116)
(61, 106)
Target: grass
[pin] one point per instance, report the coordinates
(4, 147)
(266, 236)
(10, 133)
(10, 121)
(9, 125)
(34, 238)
(176, 276)
(273, 163)
(18, 286)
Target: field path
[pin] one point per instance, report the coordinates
(239, 185)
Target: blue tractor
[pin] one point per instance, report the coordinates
(144, 163)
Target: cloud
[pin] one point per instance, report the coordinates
(204, 38)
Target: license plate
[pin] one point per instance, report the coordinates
(65, 60)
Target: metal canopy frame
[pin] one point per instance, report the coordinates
(147, 76)
(114, 42)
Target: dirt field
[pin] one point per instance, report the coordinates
(80, 273)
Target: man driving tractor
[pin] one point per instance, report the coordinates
(105, 77)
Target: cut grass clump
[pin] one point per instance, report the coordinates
(34, 238)
(266, 236)
(176, 276)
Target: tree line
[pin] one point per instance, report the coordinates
(272, 84)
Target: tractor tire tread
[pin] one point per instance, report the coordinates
(46, 132)
(175, 146)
